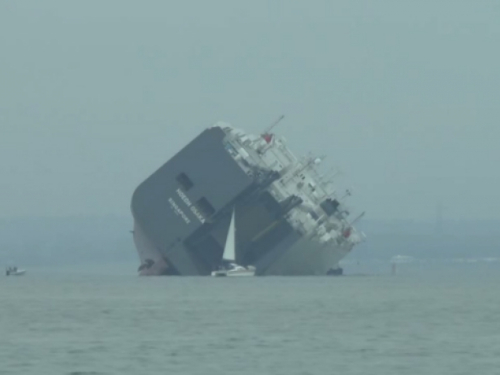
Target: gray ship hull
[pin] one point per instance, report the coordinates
(182, 212)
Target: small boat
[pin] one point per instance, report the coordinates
(229, 257)
(14, 271)
(219, 273)
(241, 271)
(235, 271)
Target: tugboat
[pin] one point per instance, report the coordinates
(335, 272)
(14, 271)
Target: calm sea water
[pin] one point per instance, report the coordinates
(413, 323)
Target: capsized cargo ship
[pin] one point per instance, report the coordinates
(288, 219)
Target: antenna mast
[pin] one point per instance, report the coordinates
(273, 125)
(358, 218)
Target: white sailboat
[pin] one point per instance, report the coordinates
(230, 256)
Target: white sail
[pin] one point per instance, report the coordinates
(229, 248)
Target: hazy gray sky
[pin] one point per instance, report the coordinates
(402, 96)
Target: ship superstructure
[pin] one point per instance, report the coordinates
(288, 219)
